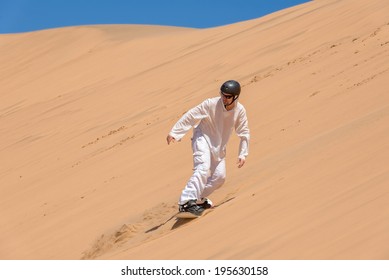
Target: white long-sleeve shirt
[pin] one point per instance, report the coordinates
(211, 119)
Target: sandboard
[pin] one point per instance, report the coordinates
(187, 215)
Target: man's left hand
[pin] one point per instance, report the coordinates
(241, 162)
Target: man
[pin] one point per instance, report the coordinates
(213, 121)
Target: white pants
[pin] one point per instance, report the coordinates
(208, 174)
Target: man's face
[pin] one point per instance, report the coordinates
(227, 98)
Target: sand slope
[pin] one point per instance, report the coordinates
(86, 173)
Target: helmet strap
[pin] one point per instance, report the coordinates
(233, 100)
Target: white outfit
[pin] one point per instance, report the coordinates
(213, 126)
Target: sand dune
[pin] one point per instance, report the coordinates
(86, 173)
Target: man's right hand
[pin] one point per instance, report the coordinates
(170, 139)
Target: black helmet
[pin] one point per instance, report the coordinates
(231, 87)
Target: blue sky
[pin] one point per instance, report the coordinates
(29, 15)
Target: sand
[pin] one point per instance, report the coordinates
(85, 171)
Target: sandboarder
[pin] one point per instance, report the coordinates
(213, 121)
